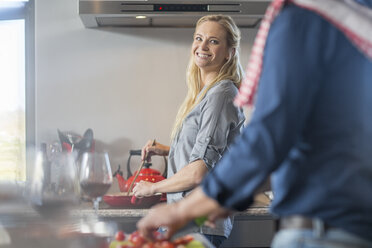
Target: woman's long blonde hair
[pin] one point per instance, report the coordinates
(231, 70)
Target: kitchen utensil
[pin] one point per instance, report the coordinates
(139, 170)
(71, 142)
(86, 144)
(66, 141)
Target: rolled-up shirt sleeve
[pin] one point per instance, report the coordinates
(218, 117)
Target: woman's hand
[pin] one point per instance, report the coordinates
(143, 189)
(157, 149)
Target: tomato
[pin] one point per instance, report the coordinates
(137, 239)
(180, 246)
(148, 245)
(135, 233)
(166, 244)
(183, 240)
(119, 236)
(157, 244)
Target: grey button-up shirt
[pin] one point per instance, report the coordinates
(206, 134)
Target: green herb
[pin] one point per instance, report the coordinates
(200, 220)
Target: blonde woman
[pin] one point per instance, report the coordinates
(207, 121)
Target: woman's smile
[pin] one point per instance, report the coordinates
(203, 55)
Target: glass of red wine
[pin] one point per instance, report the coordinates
(95, 176)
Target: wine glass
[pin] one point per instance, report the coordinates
(54, 184)
(95, 176)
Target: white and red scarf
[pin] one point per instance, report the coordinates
(351, 18)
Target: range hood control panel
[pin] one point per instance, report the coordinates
(181, 7)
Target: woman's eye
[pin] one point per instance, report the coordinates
(198, 39)
(214, 41)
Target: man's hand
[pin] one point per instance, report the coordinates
(162, 215)
(176, 215)
(216, 214)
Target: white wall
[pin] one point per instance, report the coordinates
(124, 83)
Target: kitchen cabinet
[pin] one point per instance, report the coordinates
(251, 230)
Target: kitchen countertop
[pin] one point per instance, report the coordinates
(259, 209)
(112, 213)
(24, 212)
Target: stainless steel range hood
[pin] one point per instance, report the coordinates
(167, 13)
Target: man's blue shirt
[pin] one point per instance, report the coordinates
(311, 129)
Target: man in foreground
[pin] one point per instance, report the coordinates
(311, 130)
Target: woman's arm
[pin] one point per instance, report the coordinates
(149, 150)
(185, 179)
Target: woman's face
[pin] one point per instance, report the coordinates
(210, 46)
